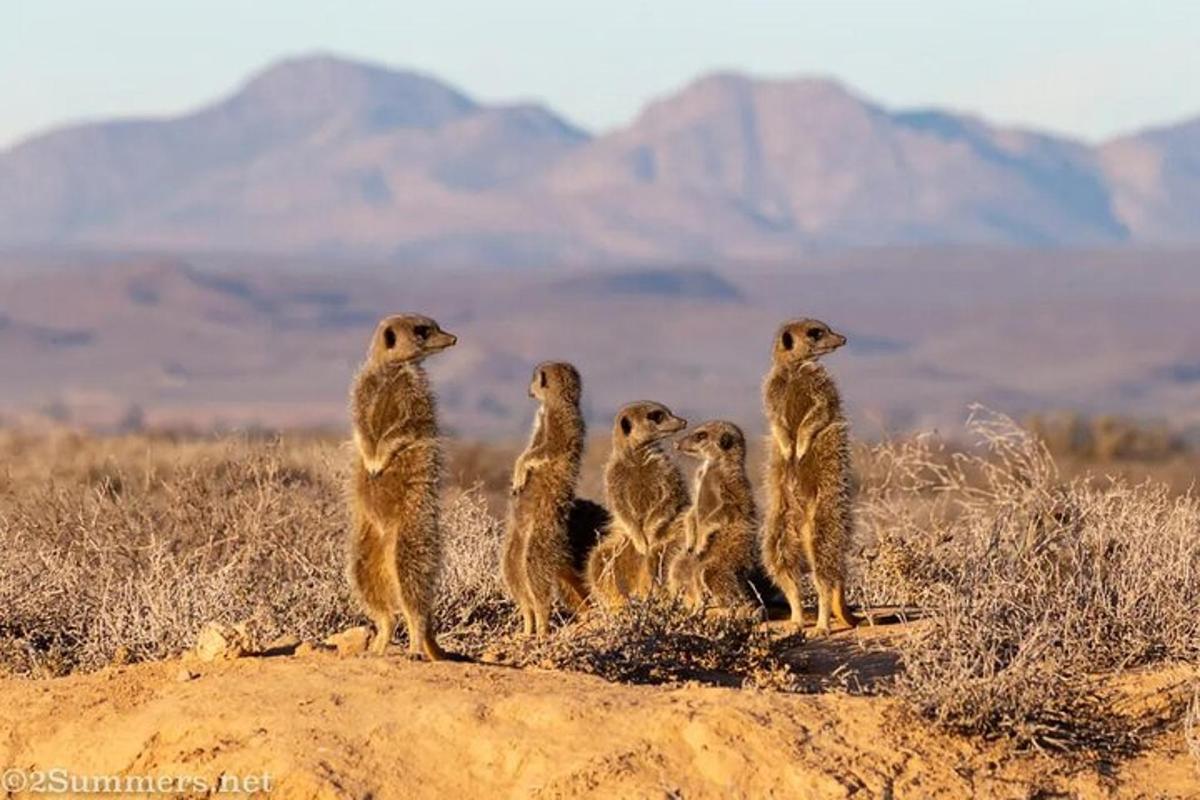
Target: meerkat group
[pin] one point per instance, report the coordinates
(656, 536)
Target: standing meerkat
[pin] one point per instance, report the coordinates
(395, 544)
(808, 469)
(720, 527)
(537, 551)
(647, 497)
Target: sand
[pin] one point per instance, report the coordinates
(323, 726)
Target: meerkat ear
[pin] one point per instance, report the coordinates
(626, 426)
(389, 338)
(726, 440)
(787, 341)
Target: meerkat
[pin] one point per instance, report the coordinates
(720, 527)
(808, 469)
(647, 496)
(395, 544)
(537, 551)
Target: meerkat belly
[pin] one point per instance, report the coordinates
(548, 493)
(409, 482)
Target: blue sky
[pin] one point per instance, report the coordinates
(1088, 68)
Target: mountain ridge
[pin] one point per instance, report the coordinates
(320, 154)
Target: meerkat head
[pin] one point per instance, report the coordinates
(556, 380)
(805, 339)
(408, 337)
(717, 440)
(645, 422)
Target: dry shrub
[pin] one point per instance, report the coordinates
(134, 544)
(1106, 437)
(658, 640)
(471, 606)
(1191, 726)
(1035, 587)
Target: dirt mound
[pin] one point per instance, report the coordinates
(323, 726)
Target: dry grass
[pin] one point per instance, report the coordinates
(1037, 589)
(134, 543)
(1191, 726)
(660, 641)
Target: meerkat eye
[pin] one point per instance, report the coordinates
(389, 338)
(701, 436)
(726, 441)
(626, 426)
(421, 331)
(815, 334)
(542, 376)
(787, 341)
(656, 417)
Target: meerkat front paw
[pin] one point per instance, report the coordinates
(373, 466)
(520, 477)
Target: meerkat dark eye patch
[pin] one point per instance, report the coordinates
(656, 417)
(389, 338)
(626, 426)
(815, 334)
(421, 331)
(726, 441)
(542, 378)
(701, 436)
(787, 341)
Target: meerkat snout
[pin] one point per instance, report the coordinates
(408, 337)
(648, 421)
(802, 339)
(712, 441)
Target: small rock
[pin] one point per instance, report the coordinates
(305, 649)
(184, 675)
(284, 645)
(285, 642)
(218, 642)
(247, 633)
(351, 641)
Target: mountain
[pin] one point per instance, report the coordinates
(323, 156)
(736, 167)
(314, 154)
(1155, 180)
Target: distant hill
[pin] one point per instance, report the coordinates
(324, 156)
(173, 342)
(1154, 178)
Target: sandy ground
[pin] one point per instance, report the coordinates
(322, 726)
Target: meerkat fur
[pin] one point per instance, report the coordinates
(395, 545)
(807, 524)
(646, 498)
(720, 527)
(537, 561)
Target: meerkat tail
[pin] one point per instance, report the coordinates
(572, 589)
(385, 624)
(791, 590)
(824, 601)
(839, 607)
